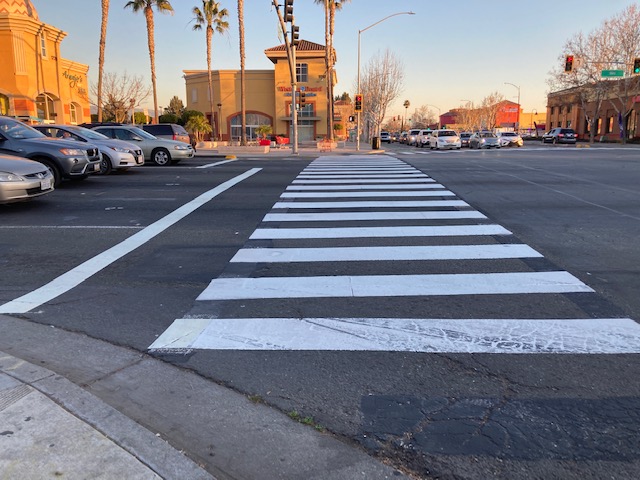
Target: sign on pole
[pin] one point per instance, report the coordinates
(612, 73)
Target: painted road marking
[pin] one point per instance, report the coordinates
(365, 187)
(515, 336)
(363, 176)
(431, 193)
(365, 180)
(357, 216)
(392, 285)
(77, 275)
(372, 204)
(366, 254)
(378, 232)
(209, 165)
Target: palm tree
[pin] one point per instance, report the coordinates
(243, 106)
(103, 40)
(213, 18)
(163, 6)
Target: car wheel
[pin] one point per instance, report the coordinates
(55, 171)
(161, 157)
(105, 165)
(554, 140)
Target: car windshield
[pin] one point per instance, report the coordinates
(447, 133)
(465, 135)
(18, 130)
(486, 135)
(88, 133)
(508, 134)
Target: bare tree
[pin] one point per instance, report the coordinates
(121, 92)
(423, 117)
(489, 108)
(381, 84)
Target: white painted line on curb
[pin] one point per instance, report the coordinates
(77, 275)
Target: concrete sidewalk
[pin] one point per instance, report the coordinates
(102, 411)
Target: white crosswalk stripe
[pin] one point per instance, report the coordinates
(387, 259)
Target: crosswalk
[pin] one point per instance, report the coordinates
(359, 234)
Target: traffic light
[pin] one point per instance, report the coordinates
(303, 99)
(636, 65)
(352, 118)
(295, 35)
(358, 106)
(288, 11)
(568, 64)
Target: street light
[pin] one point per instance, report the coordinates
(219, 122)
(358, 88)
(518, 114)
(427, 105)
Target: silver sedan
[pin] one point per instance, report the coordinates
(22, 179)
(484, 140)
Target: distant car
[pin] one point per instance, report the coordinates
(385, 137)
(65, 158)
(510, 139)
(22, 179)
(484, 139)
(423, 137)
(403, 137)
(444, 138)
(116, 154)
(170, 131)
(412, 136)
(559, 135)
(158, 150)
(464, 138)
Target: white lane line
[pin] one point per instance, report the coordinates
(77, 275)
(364, 180)
(410, 186)
(71, 227)
(431, 193)
(314, 176)
(378, 232)
(372, 204)
(392, 285)
(514, 336)
(356, 216)
(360, 254)
(209, 165)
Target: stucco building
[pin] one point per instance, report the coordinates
(268, 95)
(36, 83)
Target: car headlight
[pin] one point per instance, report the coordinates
(120, 149)
(180, 147)
(10, 177)
(72, 151)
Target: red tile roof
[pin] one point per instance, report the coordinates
(303, 46)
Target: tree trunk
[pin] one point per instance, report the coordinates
(243, 106)
(103, 40)
(327, 63)
(148, 13)
(210, 78)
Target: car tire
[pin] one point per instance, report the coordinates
(161, 157)
(55, 171)
(105, 165)
(554, 141)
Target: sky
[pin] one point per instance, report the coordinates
(451, 52)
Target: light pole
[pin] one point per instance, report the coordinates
(426, 104)
(358, 87)
(518, 114)
(219, 122)
(531, 122)
(406, 109)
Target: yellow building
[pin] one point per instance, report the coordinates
(36, 84)
(268, 95)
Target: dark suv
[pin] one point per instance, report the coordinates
(65, 158)
(560, 135)
(170, 131)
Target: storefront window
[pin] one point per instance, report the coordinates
(73, 113)
(302, 72)
(43, 44)
(253, 120)
(4, 105)
(44, 105)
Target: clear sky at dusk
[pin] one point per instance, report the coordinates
(451, 51)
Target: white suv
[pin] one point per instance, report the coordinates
(444, 138)
(423, 138)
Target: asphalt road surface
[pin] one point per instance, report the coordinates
(463, 314)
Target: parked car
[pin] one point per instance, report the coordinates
(412, 136)
(158, 150)
(484, 139)
(385, 137)
(444, 138)
(170, 131)
(116, 154)
(559, 135)
(510, 139)
(464, 138)
(65, 158)
(423, 137)
(22, 179)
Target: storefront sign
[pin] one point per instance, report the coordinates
(73, 79)
(306, 89)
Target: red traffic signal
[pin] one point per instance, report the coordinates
(358, 103)
(568, 64)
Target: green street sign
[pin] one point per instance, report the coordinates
(612, 73)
